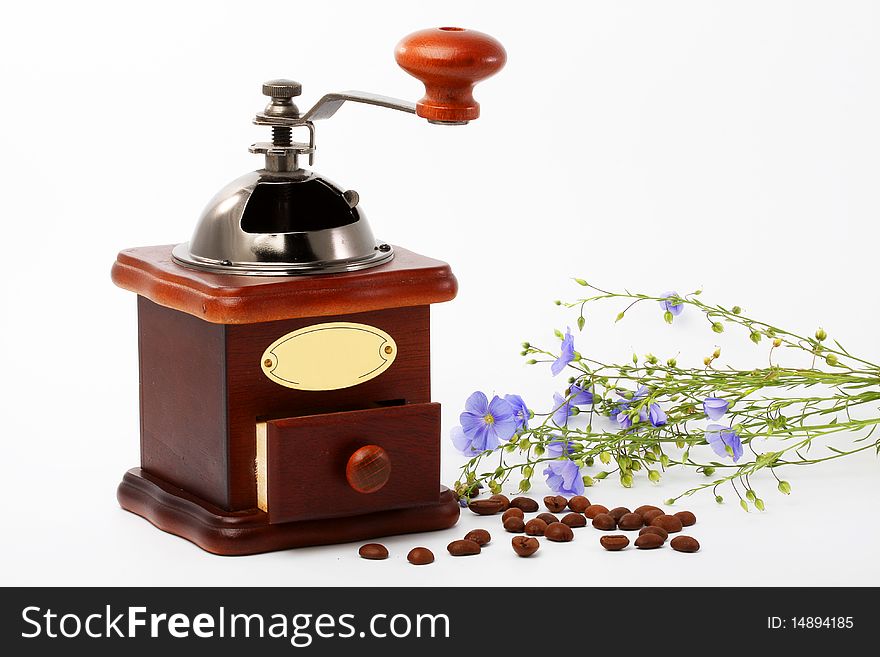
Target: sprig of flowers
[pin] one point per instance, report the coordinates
(645, 416)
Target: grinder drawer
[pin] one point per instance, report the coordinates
(343, 464)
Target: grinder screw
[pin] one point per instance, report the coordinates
(281, 92)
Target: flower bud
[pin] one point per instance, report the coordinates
(759, 504)
(589, 461)
(526, 345)
(821, 334)
(524, 485)
(755, 337)
(539, 450)
(716, 353)
(635, 359)
(528, 471)
(777, 342)
(664, 460)
(574, 410)
(588, 481)
(672, 362)
(495, 487)
(784, 488)
(531, 361)
(719, 499)
(524, 353)
(654, 476)
(744, 506)
(605, 458)
(558, 333)
(708, 471)
(707, 361)
(667, 317)
(626, 480)
(831, 359)
(524, 444)
(636, 466)
(601, 475)
(736, 310)
(651, 358)
(718, 327)
(619, 317)
(581, 281)
(581, 322)
(510, 448)
(750, 495)
(697, 292)
(577, 356)
(558, 302)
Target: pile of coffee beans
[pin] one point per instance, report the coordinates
(653, 525)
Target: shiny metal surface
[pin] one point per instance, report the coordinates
(220, 243)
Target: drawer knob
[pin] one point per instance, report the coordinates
(368, 469)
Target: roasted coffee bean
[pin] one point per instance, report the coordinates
(651, 529)
(604, 522)
(614, 542)
(687, 518)
(485, 507)
(536, 527)
(480, 536)
(574, 520)
(670, 523)
(505, 502)
(555, 503)
(578, 503)
(525, 546)
(684, 544)
(650, 514)
(618, 512)
(463, 548)
(515, 525)
(649, 541)
(594, 510)
(527, 504)
(373, 551)
(420, 556)
(558, 532)
(630, 522)
(512, 512)
(547, 517)
(646, 507)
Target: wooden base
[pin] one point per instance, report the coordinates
(232, 533)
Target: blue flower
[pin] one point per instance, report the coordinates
(520, 411)
(566, 353)
(557, 448)
(579, 396)
(668, 303)
(657, 415)
(721, 439)
(563, 409)
(463, 443)
(484, 424)
(624, 420)
(715, 407)
(564, 477)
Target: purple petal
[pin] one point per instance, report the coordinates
(579, 396)
(715, 407)
(462, 442)
(500, 409)
(657, 415)
(563, 410)
(477, 403)
(471, 423)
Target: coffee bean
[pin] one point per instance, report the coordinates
(687, 518)
(536, 527)
(630, 521)
(505, 502)
(485, 507)
(558, 532)
(594, 510)
(618, 512)
(574, 520)
(373, 551)
(525, 546)
(670, 523)
(555, 503)
(650, 514)
(547, 517)
(420, 556)
(684, 544)
(515, 525)
(649, 541)
(480, 536)
(512, 512)
(604, 522)
(527, 504)
(614, 542)
(646, 507)
(463, 548)
(662, 533)
(578, 503)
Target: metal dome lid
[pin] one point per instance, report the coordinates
(282, 223)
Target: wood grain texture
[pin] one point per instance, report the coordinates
(307, 458)
(248, 531)
(408, 279)
(252, 396)
(368, 469)
(449, 61)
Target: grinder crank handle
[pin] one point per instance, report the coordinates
(449, 61)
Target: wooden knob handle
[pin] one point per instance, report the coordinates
(449, 61)
(368, 469)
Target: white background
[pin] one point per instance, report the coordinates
(655, 145)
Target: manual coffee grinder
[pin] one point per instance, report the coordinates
(285, 394)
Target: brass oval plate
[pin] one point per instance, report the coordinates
(329, 356)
